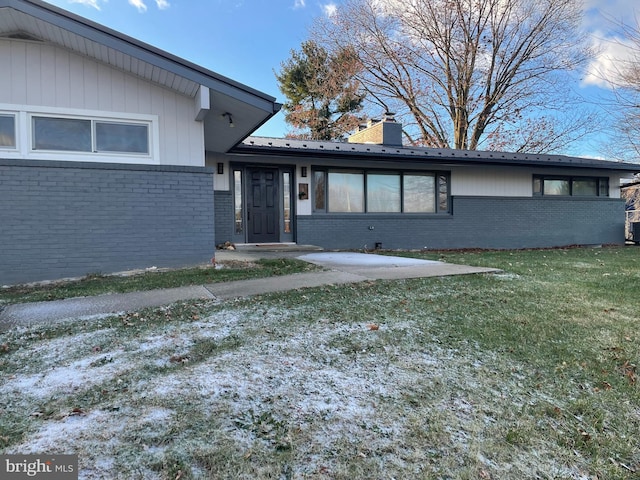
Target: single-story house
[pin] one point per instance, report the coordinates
(116, 155)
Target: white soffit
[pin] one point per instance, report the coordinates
(14, 22)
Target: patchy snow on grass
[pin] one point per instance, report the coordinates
(327, 389)
(506, 276)
(62, 349)
(65, 379)
(97, 437)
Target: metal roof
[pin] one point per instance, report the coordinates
(35, 20)
(373, 152)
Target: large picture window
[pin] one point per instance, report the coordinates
(87, 135)
(419, 193)
(383, 192)
(376, 191)
(346, 192)
(548, 185)
(7, 131)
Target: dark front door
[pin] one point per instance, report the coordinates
(262, 201)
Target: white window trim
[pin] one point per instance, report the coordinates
(24, 135)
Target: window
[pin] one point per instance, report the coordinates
(286, 200)
(319, 190)
(86, 135)
(68, 134)
(419, 193)
(603, 187)
(585, 187)
(342, 191)
(346, 192)
(383, 192)
(556, 187)
(237, 201)
(122, 137)
(548, 185)
(7, 131)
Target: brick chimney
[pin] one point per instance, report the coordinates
(380, 132)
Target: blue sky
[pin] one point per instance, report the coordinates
(247, 40)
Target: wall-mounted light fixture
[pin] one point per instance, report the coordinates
(220, 168)
(303, 171)
(228, 115)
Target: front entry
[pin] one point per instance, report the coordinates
(262, 206)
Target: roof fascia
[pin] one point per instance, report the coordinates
(385, 157)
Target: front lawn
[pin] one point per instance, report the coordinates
(97, 284)
(526, 374)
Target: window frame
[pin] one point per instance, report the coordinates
(601, 185)
(442, 200)
(93, 133)
(23, 123)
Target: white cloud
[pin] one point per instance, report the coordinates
(606, 21)
(299, 4)
(88, 3)
(139, 4)
(142, 7)
(603, 71)
(330, 9)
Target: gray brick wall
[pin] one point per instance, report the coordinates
(224, 216)
(62, 219)
(477, 222)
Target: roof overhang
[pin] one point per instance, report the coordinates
(35, 20)
(319, 150)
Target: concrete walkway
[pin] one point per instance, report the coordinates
(340, 268)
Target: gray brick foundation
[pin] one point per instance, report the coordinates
(476, 222)
(64, 219)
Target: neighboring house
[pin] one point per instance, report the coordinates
(115, 155)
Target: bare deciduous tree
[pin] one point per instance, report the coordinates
(625, 80)
(467, 74)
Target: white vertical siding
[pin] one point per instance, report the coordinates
(515, 182)
(41, 75)
(491, 182)
(220, 182)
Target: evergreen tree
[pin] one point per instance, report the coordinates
(323, 96)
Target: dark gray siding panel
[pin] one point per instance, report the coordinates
(62, 219)
(477, 222)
